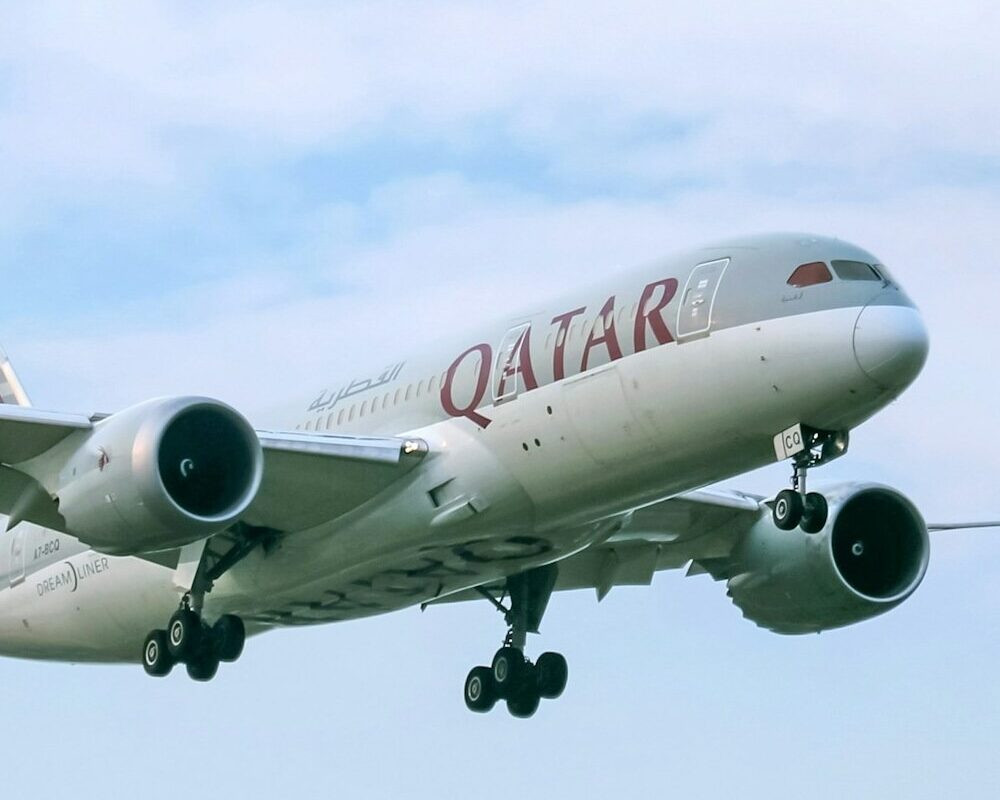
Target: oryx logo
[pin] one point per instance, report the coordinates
(103, 459)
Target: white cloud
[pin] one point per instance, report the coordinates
(100, 91)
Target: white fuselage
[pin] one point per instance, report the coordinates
(536, 449)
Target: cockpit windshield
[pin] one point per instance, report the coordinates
(809, 274)
(816, 272)
(855, 271)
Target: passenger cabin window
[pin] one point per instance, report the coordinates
(810, 274)
(855, 271)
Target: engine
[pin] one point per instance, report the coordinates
(158, 475)
(871, 555)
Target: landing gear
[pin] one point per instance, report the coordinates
(156, 658)
(184, 634)
(814, 513)
(552, 675)
(203, 666)
(511, 677)
(788, 507)
(188, 639)
(480, 691)
(795, 507)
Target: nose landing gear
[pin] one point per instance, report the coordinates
(796, 507)
(512, 677)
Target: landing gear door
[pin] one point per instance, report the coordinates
(508, 374)
(17, 556)
(695, 315)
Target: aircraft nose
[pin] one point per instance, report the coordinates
(890, 344)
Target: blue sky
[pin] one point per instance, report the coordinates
(221, 198)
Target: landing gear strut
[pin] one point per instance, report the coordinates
(188, 639)
(797, 507)
(511, 676)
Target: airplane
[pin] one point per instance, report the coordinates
(565, 447)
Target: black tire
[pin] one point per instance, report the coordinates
(203, 666)
(788, 506)
(552, 673)
(508, 670)
(184, 634)
(814, 513)
(229, 635)
(480, 691)
(524, 701)
(156, 658)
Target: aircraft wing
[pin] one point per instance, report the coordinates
(308, 478)
(960, 526)
(698, 529)
(26, 432)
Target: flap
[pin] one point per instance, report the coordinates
(310, 479)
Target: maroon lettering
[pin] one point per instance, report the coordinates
(559, 353)
(519, 361)
(482, 385)
(653, 316)
(609, 338)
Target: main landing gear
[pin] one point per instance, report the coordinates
(191, 641)
(511, 677)
(188, 639)
(797, 507)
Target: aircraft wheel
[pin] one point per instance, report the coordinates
(524, 699)
(156, 658)
(508, 668)
(788, 507)
(814, 513)
(480, 692)
(203, 666)
(184, 634)
(229, 635)
(552, 672)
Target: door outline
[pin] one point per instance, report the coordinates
(505, 371)
(694, 317)
(17, 570)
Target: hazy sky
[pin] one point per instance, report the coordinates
(243, 199)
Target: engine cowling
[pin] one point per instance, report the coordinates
(162, 474)
(871, 555)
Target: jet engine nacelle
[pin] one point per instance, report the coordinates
(162, 474)
(871, 555)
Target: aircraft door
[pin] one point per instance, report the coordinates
(695, 315)
(508, 377)
(17, 556)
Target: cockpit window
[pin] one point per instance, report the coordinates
(810, 274)
(855, 271)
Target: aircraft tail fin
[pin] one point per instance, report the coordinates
(11, 390)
